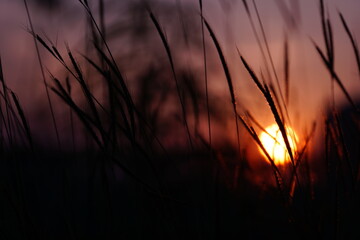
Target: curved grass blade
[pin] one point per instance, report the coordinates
(352, 40)
(169, 54)
(276, 171)
(43, 75)
(335, 76)
(23, 118)
(205, 74)
(267, 94)
(228, 78)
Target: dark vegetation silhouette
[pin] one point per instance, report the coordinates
(137, 165)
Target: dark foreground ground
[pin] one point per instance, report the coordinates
(83, 196)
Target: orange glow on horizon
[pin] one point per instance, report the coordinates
(274, 144)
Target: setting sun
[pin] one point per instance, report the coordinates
(274, 143)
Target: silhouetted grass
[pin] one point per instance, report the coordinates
(352, 40)
(129, 184)
(43, 74)
(229, 81)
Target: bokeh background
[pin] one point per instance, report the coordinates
(135, 43)
(71, 190)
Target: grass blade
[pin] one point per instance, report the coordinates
(335, 76)
(286, 70)
(23, 118)
(352, 40)
(276, 171)
(43, 75)
(267, 94)
(205, 74)
(228, 78)
(168, 52)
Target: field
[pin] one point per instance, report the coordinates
(180, 120)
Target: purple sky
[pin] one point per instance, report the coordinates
(310, 83)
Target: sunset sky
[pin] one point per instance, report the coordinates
(146, 121)
(64, 21)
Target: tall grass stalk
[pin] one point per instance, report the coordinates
(266, 92)
(257, 38)
(43, 75)
(276, 171)
(271, 59)
(229, 82)
(6, 122)
(286, 71)
(112, 64)
(205, 75)
(169, 54)
(352, 40)
(328, 65)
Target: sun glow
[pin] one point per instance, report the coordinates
(274, 144)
